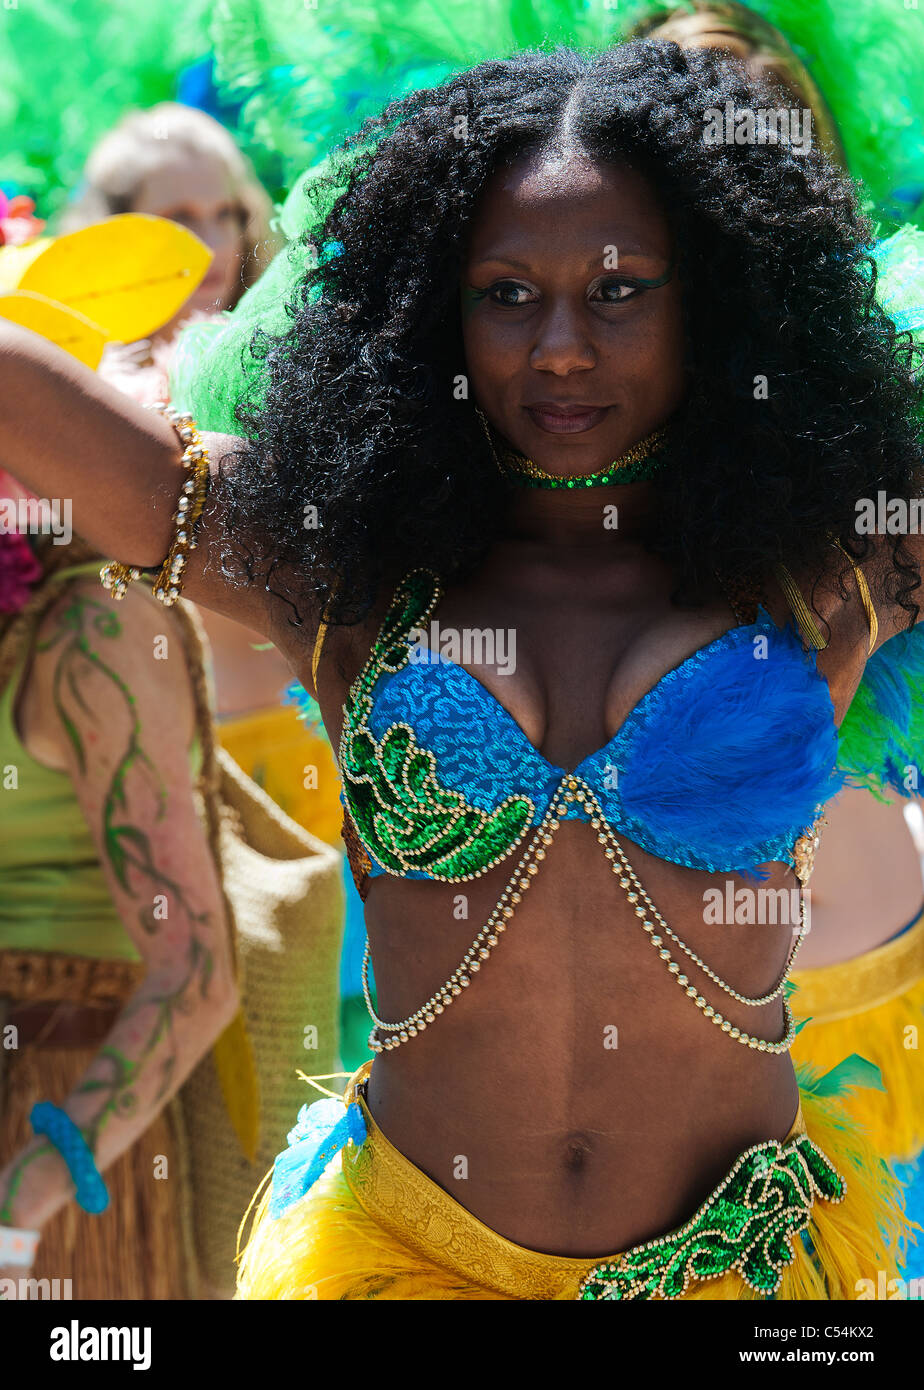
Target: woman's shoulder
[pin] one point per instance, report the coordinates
(847, 605)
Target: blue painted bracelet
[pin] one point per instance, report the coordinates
(59, 1128)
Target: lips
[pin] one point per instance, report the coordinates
(571, 418)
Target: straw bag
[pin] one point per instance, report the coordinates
(284, 890)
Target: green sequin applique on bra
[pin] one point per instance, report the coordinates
(402, 813)
(747, 1225)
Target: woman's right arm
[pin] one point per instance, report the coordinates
(72, 437)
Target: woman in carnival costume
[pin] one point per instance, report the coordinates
(177, 162)
(108, 138)
(865, 991)
(860, 984)
(518, 385)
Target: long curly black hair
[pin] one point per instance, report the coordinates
(361, 413)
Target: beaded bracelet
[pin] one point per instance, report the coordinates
(17, 1247)
(115, 576)
(60, 1130)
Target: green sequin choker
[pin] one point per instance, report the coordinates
(637, 465)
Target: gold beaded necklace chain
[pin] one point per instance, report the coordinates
(573, 788)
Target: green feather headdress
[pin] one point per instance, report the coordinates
(69, 72)
(308, 76)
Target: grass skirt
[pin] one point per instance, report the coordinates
(141, 1246)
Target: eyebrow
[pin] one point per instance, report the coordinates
(589, 265)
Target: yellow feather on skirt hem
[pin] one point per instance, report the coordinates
(889, 1037)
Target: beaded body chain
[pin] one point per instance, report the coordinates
(410, 770)
(652, 922)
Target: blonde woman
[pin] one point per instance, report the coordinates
(175, 161)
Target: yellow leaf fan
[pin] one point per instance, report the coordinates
(128, 275)
(60, 325)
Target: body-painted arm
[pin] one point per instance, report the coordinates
(109, 700)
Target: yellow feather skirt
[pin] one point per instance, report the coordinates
(872, 1005)
(408, 1239)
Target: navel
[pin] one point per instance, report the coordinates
(577, 1148)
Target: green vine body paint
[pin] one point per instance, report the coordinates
(81, 625)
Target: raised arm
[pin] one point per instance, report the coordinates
(69, 435)
(113, 692)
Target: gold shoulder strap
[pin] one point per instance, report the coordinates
(865, 597)
(811, 633)
(316, 654)
(809, 628)
(319, 640)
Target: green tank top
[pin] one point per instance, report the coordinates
(54, 895)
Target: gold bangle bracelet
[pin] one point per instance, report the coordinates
(168, 583)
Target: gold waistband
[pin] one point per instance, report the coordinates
(830, 992)
(415, 1210)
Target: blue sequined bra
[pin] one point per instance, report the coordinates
(723, 765)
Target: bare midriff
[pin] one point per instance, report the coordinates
(573, 1098)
